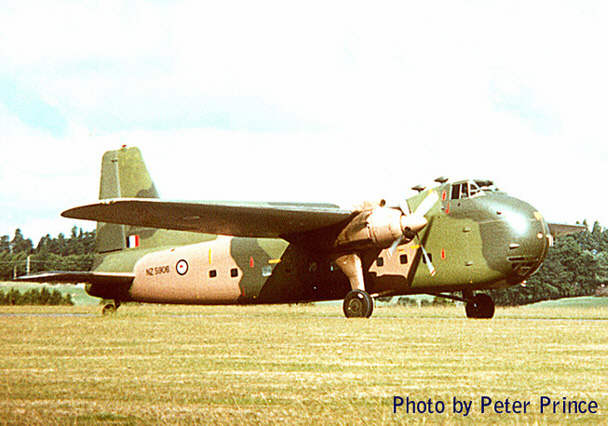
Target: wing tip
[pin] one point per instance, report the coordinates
(561, 229)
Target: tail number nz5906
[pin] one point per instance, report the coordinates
(158, 270)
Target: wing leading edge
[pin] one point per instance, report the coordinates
(239, 219)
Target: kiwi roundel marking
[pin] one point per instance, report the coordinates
(182, 267)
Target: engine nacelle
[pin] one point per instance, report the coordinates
(380, 227)
(384, 226)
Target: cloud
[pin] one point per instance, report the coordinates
(30, 108)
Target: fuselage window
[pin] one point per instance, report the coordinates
(403, 259)
(380, 261)
(430, 258)
(212, 273)
(234, 272)
(266, 270)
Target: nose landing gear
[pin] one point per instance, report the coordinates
(476, 305)
(479, 305)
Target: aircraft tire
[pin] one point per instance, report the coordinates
(108, 309)
(481, 306)
(358, 304)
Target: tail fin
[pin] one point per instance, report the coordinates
(123, 175)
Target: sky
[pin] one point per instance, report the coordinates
(302, 101)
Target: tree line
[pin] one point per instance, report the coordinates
(61, 253)
(40, 296)
(576, 265)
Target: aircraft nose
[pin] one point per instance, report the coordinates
(529, 239)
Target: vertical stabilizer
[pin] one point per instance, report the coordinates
(123, 175)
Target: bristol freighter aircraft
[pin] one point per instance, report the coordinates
(460, 236)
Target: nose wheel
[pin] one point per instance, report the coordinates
(358, 304)
(480, 306)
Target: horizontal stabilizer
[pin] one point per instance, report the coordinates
(77, 277)
(558, 230)
(240, 219)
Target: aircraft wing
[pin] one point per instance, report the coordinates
(239, 219)
(558, 229)
(77, 277)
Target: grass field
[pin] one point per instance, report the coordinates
(576, 302)
(294, 364)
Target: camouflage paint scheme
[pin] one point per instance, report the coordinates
(486, 240)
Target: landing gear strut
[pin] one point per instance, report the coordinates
(479, 306)
(358, 303)
(110, 308)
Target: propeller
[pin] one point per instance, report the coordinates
(414, 222)
(427, 259)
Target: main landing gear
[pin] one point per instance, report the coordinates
(358, 303)
(110, 308)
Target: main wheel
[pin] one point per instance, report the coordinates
(108, 309)
(481, 306)
(358, 304)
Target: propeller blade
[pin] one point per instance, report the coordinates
(427, 260)
(405, 209)
(427, 203)
(394, 246)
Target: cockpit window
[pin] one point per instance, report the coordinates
(486, 185)
(464, 190)
(474, 189)
(460, 191)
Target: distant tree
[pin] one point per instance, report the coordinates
(602, 269)
(20, 244)
(442, 301)
(5, 243)
(59, 245)
(43, 244)
(407, 301)
(596, 231)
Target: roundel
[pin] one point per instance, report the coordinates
(182, 267)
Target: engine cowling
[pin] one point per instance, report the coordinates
(380, 227)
